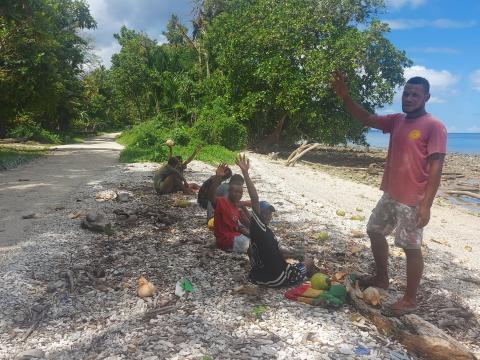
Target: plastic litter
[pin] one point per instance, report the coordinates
(182, 287)
(397, 355)
(362, 350)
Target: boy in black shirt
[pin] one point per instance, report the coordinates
(269, 267)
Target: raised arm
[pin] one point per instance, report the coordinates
(194, 153)
(357, 111)
(244, 165)
(216, 181)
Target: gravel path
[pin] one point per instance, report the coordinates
(71, 294)
(43, 184)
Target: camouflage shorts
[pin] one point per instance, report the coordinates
(391, 215)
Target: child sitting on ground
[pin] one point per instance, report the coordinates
(268, 265)
(168, 179)
(230, 233)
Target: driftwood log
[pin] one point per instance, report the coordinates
(299, 152)
(465, 193)
(296, 151)
(419, 336)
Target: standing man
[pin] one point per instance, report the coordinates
(410, 181)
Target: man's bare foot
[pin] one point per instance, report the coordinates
(401, 307)
(373, 280)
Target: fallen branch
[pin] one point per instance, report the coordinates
(465, 193)
(419, 336)
(465, 188)
(37, 318)
(296, 151)
(300, 154)
(470, 280)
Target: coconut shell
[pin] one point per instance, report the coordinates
(371, 296)
(145, 288)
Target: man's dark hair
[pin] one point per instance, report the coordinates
(418, 80)
(173, 161)
(237, 179)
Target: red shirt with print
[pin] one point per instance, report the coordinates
(226, 220)
(412, 141)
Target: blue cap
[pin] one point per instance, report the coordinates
(264, 205)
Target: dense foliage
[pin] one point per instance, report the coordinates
(41, 61)
(251, 72)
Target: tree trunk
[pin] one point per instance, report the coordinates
(274, 137)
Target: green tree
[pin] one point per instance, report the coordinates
(280, 56)
(41, 59)
(176, 33)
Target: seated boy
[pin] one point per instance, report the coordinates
(182, 165)
(230, 234)
(268, 265)
(222, 190)
(168, 179)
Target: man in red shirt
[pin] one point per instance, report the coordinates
(230, 233)
(410, 181)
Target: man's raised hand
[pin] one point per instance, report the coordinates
(243, 163)
(221, 170)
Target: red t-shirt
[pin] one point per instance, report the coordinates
(225, 224)
(411, 143)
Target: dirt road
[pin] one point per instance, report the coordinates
(37, 187)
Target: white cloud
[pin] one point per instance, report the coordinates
(441, 83)
(105, 53)
(405, 24)
(440, 50)
(474, 129)
(149, 16)
(440, 80)
(436, 100)
(475, 79)
(400, 3)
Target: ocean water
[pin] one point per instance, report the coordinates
(466, 143)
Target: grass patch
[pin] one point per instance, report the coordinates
(12, 157)
(258, 311)
(146, 142)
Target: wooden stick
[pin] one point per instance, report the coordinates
(298, 156)
(470, 280)
(419, 336)
(295, 152)
(465, 193)
(465, 188)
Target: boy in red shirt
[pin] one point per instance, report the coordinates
(230, 234)
(411, 179)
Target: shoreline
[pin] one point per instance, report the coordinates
(365, 165)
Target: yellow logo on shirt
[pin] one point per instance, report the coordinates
(414, 134)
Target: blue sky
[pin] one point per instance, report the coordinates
(440, 36)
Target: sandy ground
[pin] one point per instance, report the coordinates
(44, 183)
(453, 226)
(106, 320)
